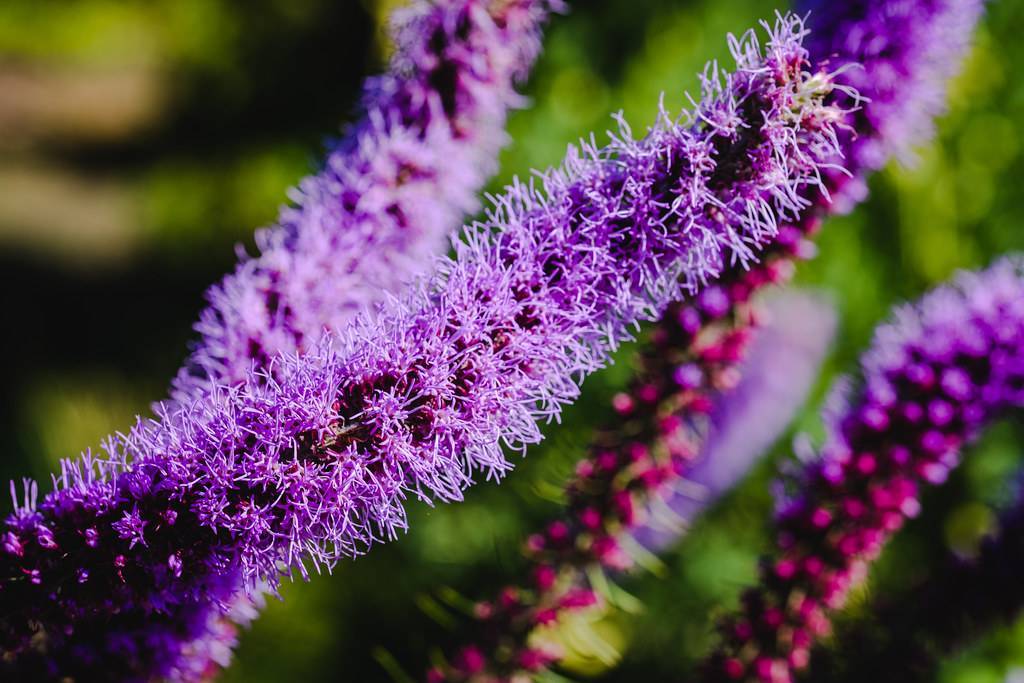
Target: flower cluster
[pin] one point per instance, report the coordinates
(933, 378)
(389, 194)
(311, 459)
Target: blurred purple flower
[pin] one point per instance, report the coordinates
(904, 638)
(899, 55)
(775, 376)
(663, 417)
(620, 491)
(389, 194)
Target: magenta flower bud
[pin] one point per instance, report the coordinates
(688, 376)
(875, 418)
(934, 473)
(591, 519)
(910, 507)
(470, 660)
(545, 617)
(533, 659)
(821, 518)
(607, 461)
(933, 442)
(647, 393)
(608, 552)
(558, 532)
(623, 403)
(785, 569)
(866, 464)
(578, 599)
(623, 503)
(921, 375)
(713, 302)
(940, 412)
(956, 382)
(900, 455)
(483, 610)
(734, 668)
(544, 577)
(535, 543)
(509, 598)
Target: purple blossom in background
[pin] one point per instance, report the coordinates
(899, 55)
(775, 376)
(311, 459)
(389, 194)
(658, 438)
(933, 378)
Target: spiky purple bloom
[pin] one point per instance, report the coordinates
(389, 194)
(933, 378)
(311, 460)
(899, 55)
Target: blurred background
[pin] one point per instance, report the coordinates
(141, 140)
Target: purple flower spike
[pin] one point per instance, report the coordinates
(311, 460)
(883, 444)
(388, 195)
(899, 56)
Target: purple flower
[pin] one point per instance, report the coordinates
(660, 440)
(933, 378)
(389, 193)
(311, 459)
(898, 55)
